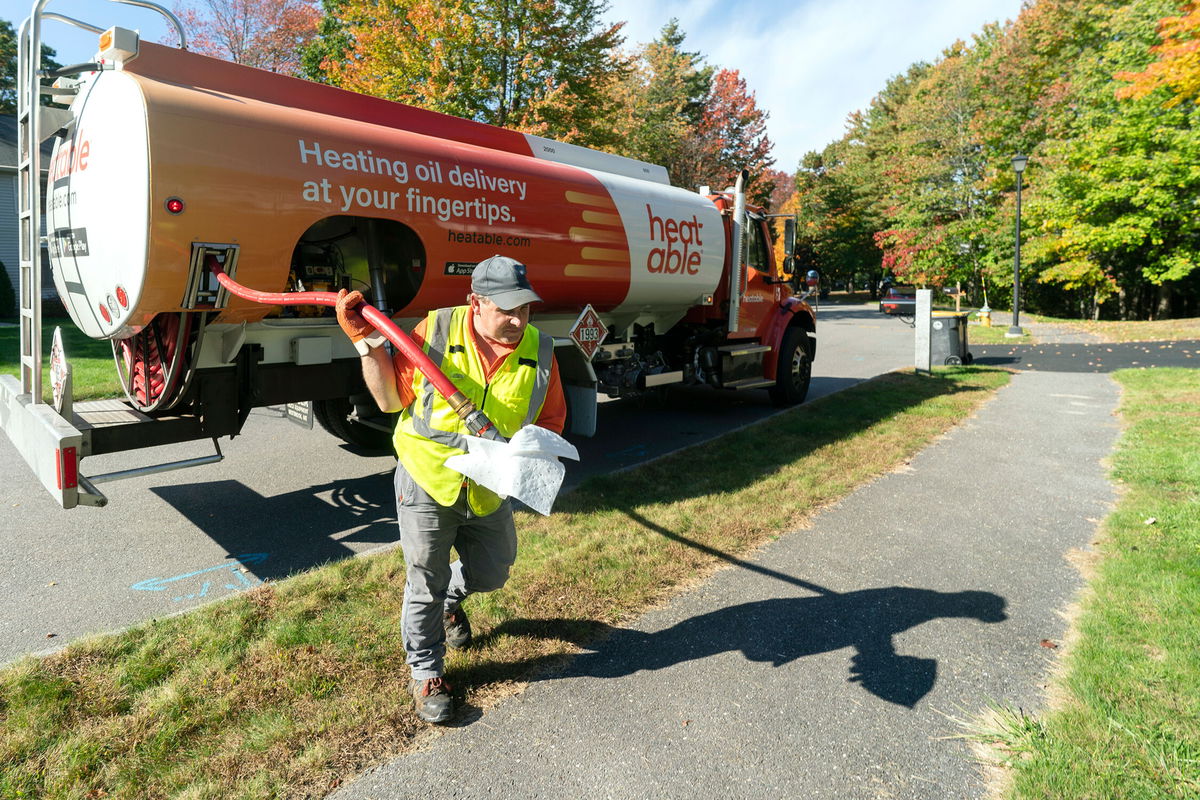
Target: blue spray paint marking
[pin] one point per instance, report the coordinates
(637, 451)
(245, 583)
(240, 581)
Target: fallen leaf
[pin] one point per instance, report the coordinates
(1048, 644)
(51, 635)
(1151, 520)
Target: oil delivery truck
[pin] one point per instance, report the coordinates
(166, 162)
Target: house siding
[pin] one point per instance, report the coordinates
(9, 253)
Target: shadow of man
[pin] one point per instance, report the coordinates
(781, 630)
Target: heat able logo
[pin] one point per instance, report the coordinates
(676, 246)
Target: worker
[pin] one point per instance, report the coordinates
(506, 367)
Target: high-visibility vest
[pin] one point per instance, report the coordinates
(429, 431)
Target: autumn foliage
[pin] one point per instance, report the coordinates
(731, 137)
(268, 34)
(1178, 64)
(1092, 92)
(1101, 95)
(537, 66)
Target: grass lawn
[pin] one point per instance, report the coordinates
(94, 374)
(981, 334)
(1125, 711)
(296, 686)
(1134, 331)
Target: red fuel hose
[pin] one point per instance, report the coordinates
(479, 424)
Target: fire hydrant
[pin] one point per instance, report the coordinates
(985, 317)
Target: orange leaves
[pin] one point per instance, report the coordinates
(267, 34)
(530, 65)
(732, 136)
(1178, 64)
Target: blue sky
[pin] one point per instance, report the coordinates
(809, 62)
(812, 62)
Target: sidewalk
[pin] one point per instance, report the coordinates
(830, 663)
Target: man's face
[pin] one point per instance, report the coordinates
(498, 324)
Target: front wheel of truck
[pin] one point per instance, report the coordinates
(794, 371)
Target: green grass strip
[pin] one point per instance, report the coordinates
(93, 372)
(296, 686)
(1125, 718)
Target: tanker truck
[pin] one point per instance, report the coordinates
(167, 162)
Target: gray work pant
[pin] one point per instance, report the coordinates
(487, 547)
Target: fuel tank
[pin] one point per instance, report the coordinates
(171, 150)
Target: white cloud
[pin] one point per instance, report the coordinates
(812, 63)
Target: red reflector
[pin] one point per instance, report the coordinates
(104, 313)
(122, 297)
(174, 205)
(67, 468)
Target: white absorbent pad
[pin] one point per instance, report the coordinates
(525, 467)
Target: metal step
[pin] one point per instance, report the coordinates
(736, 350)
(748, 383)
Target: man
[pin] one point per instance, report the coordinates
(507, 368)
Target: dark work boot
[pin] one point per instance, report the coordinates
(432, 700)
(458, 629)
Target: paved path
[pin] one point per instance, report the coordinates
(1067, 357)
(828, 664)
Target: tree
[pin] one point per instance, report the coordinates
(418, 52)
(660, 99)
(1116, 210)
(328, 45)
(783, 187)
(1110, 214)
(539, 66)
(267, 34)
(836, 225)
(731, 136)
(848, 192)
(940, 201)
(8, 56)
(1178, 64)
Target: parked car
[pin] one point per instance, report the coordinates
(899, 301)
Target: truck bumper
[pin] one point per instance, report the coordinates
(49, 444)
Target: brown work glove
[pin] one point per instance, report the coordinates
(362, 333)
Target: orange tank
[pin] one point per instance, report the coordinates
(315, 187)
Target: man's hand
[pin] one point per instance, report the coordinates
(362, 333)
(349, 318)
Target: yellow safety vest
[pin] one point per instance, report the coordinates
(429, 431)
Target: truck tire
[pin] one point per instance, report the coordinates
(794, 371)
(334, 416)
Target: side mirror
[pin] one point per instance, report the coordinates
(789, 237)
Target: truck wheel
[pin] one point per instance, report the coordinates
(334, 416)
(794, 370)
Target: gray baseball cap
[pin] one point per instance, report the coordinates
(502, 280)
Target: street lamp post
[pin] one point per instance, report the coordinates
(1018, 161)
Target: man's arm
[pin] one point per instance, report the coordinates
(379, 373)
(554, 411)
